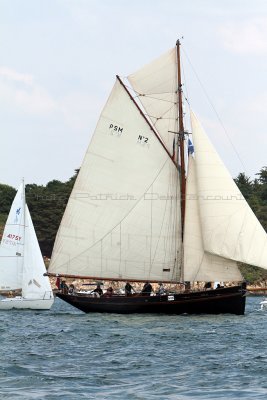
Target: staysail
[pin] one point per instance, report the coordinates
(122, 220)
(229, 228)
(12, 244)
(200, 265)
(34, 284)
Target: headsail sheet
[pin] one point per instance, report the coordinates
(229, 227)
(156, 84)
(122, 219)
(199, 265)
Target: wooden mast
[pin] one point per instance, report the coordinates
(181, 135)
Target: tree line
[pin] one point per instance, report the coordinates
(47, 204)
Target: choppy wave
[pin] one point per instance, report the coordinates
(65, 354)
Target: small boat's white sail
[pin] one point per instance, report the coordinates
(200, 265)
(10, 269)
(229, 227)
(122, 220)
(34, 284)
(13, 235)
(12, 245)
(21, 263)
(157, 85)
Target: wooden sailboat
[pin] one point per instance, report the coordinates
(137, 213)
(21, 263)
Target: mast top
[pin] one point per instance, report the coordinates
(178, 41)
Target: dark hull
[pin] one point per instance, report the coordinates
(219, 301)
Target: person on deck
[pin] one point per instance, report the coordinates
(71, 289)
(109, 292)
(161, 289)
(128, 289)
(58, 282)
(147, 289)
(98, 290)
(64, 287)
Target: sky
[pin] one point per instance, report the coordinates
(59, 59)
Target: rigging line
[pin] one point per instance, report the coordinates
(185, 95)
(147, 121)
(157, 98)
(185, 84)
(159, 237)
(168, 110)
(146, 95)
(172, 229)
(216, 113)
(139, 95)
(151, 117)
(151, 228)
(160, 118)
(128, 213)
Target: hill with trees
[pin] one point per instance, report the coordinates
(47, 205)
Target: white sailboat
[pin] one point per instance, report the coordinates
(21, 263)
(135, 214)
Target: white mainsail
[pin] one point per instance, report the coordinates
(122, 220)
(156, 84)
(12, 244)
(199, 265)
(229, 227)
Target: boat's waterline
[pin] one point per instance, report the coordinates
(22, 303)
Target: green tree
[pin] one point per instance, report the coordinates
(7, 194)
(244, 184)
(47, 205)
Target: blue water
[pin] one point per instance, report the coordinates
(65, 354)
